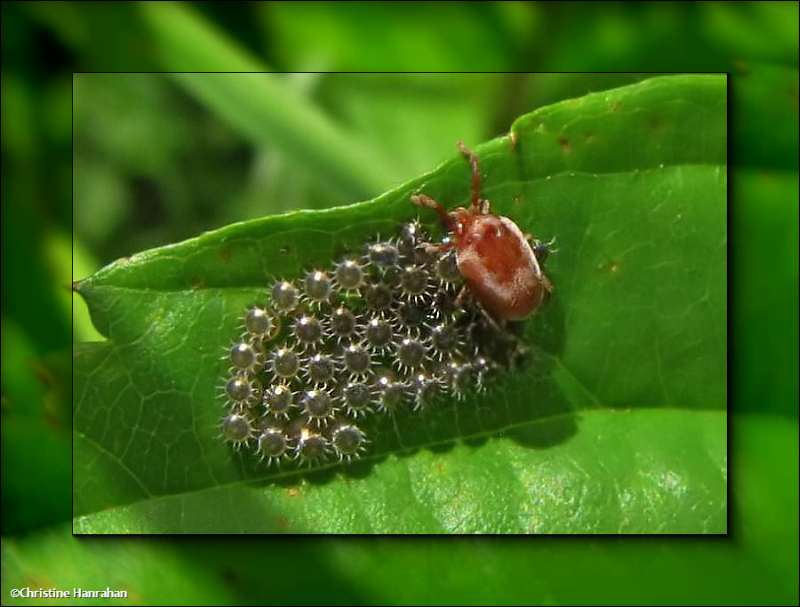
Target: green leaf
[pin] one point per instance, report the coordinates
(617, 423)
(667, 474)
(756, 565)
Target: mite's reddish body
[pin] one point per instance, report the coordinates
(495, 258)
(499, 266)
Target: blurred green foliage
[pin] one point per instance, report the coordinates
(148, 183)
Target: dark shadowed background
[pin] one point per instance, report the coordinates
(146, 185)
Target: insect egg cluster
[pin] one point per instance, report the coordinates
(382, 332)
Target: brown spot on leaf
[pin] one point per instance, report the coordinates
(615, 106)
(225, 254)
(293, 491)
(565, 145)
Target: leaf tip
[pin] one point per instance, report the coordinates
(81, 286)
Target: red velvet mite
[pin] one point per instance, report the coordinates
(497, 261)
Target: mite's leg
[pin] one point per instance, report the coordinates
(421, 200)
(510, 344)
(542, 249)
(461, 298)
(441, 247)
(477, 206)
(547, 284)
